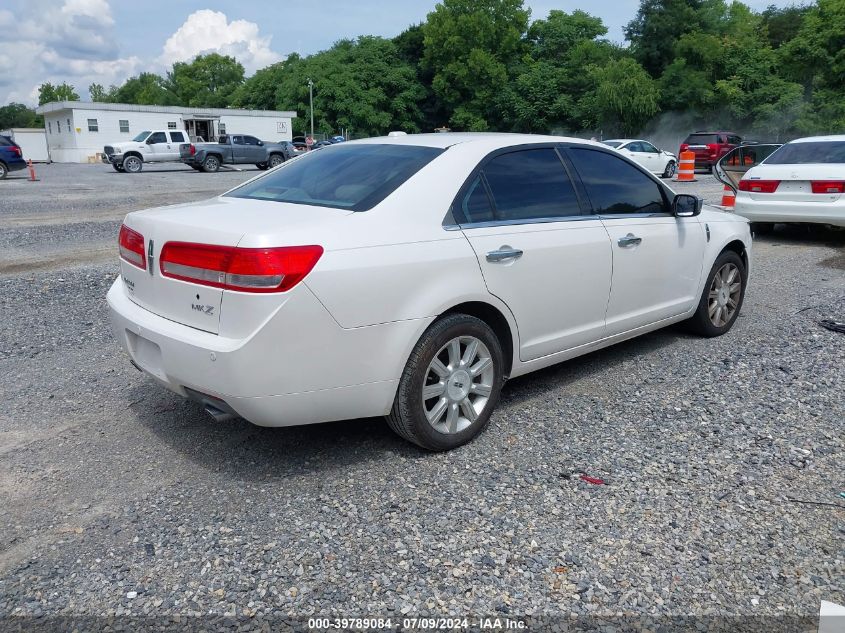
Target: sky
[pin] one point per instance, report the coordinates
(107, 41)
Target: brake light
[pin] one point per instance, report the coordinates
(714, 149)
(131, 246)
(828, 186)
(242, 269)
(759, 186)
(684, 147)
(17, 150)
(193, 150)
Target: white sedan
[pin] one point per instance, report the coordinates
(657, 161)
(802, 181)
(411, 276)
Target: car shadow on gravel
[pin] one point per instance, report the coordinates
(252, 453)
(803, 235)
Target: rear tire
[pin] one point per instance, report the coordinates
(211, 164)
(458, 363)
(132, 164)
(721, 300)
(4, 171)
(276, 160)
(262, 166)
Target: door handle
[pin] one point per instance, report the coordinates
(503, 253)
(629, 240)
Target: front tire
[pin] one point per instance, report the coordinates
(670, 169)
(450, 385)
(4, 171)
(722, 298)
(276, 160)
(132, 164)
(117, 168)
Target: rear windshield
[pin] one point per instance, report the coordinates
(702, 139)
(354, 177)
(812, 152)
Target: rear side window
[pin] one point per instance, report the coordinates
(476, 206)
(530, 184)
(614, 186)
(5, 141)
(702, 139)
(177, 137)
(345, 176)
(809, 152)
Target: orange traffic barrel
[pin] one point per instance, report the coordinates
(686, 167)
(728, 198)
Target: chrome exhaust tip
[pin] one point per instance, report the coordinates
(218, 415)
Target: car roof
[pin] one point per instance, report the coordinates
(625, 140)
(448, 139)
(831, 138)
(715, 132)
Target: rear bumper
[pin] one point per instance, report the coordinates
(14, 165)
(273, 378)
(787, 211)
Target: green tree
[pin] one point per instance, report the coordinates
(553, 38)
(145, 89)
(48, 93)
(469, 46)
(625, 97)
(207, 81)
(19, 115)
(100, 94)
(259, 91)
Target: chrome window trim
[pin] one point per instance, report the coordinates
(495, 223)
(629, 216)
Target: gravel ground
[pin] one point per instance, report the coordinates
(120, 499)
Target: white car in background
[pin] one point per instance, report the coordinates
(410, 276)
(802, 181)
(657, 161)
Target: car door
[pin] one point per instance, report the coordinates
(732, 166)
(176, 139)
(538, 249)
(657, 257)
(255, 151)
(239, 149)
(159, 146)
(652, 159)
(634, 151)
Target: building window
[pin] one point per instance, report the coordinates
(171, 125)
(69, 128)
(93, 126)
(50, 127)
(58, 127)
(222, 127)
(124, 126)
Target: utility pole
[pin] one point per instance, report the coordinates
(311, 103)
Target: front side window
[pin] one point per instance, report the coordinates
(124, 126)
(648, 148)
(615, 186)
(93, 126)
(825, 152)
(142, 136)
(530, 184)
(158, 137)
(348, 176)
(250, 140)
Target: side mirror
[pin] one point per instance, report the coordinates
(261, 143)
(686, 206)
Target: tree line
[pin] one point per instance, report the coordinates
(484, 65)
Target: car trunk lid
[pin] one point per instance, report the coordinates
(805, 183)
(220, 222)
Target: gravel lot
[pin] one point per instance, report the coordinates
(120, 499)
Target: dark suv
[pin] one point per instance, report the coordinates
(11, 156)
(709, 147)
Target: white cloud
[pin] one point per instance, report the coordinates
(207, 31)
(74, 42)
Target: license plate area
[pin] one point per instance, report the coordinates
(146, 354)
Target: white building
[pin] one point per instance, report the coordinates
(78, 130)
(33, 142)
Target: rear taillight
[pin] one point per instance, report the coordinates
(131, 245)
(684, 147)
(16, 150)
(759, 186)
(714, 149)
(193, 150)
(242, 269)
(828, 186)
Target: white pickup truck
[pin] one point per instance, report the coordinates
(156, 146)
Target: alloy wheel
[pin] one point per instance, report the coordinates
(132, 164)
(276, 160)
(723, 296)
(458, 384)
